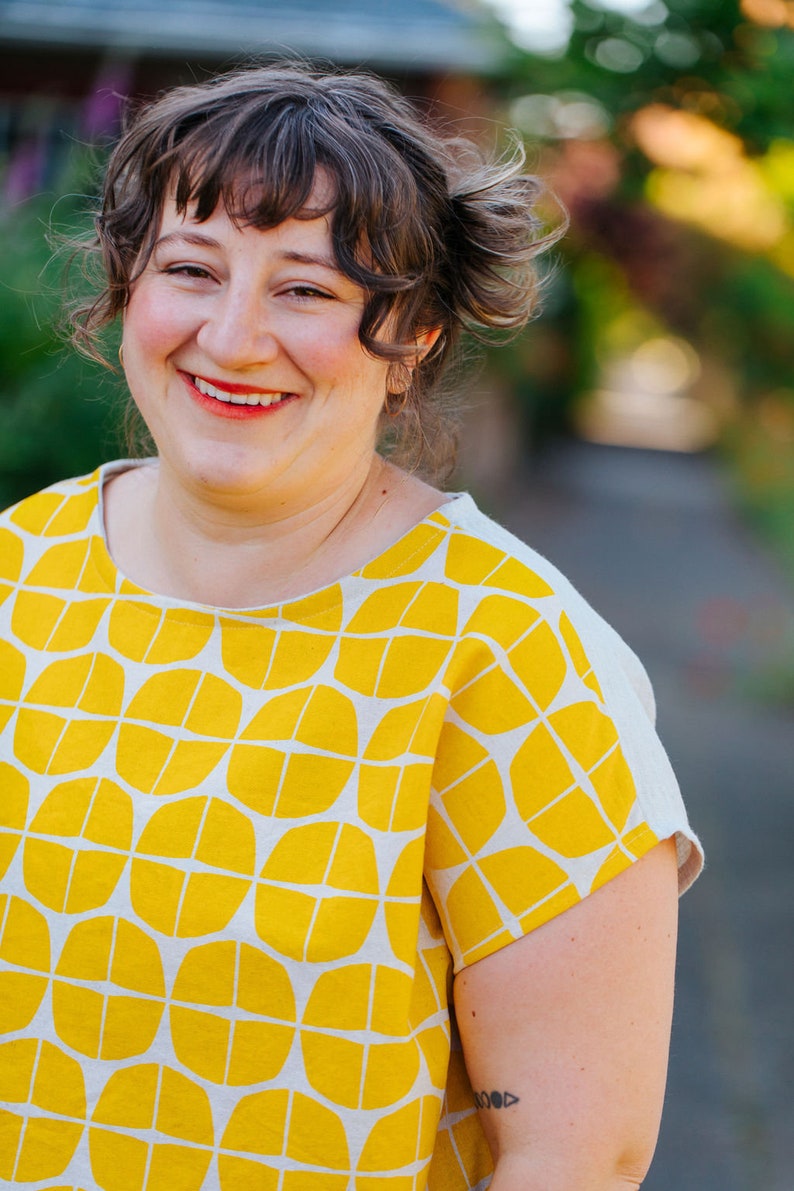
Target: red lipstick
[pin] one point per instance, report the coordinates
(229, 409)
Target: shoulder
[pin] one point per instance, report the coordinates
(61, 517)
(559, 704)
(503, 580)
(61, 508)
(484, 555)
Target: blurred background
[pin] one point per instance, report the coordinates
(640, 432)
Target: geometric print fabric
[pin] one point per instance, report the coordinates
(242, 852)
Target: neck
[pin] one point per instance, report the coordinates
(240, 554)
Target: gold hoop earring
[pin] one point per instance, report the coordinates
(396, 402)
(121, 355)
(398, 389)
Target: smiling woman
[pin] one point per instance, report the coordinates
(242, 352)
(337, 847)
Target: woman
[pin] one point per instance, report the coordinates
(293, 745)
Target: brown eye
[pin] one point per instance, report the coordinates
(309, 291)
(189, 270)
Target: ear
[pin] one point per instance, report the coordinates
(425, 342)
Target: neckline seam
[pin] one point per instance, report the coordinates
(115, 579)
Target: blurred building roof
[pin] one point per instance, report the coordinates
(414, 34)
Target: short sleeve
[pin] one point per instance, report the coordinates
(549, 777)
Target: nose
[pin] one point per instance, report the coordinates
(236, 333)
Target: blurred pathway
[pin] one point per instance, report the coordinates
(652, 541)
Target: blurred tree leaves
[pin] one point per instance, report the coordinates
(703, 55)
(56, 409)
(667, 131)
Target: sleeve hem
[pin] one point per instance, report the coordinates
(689, 855)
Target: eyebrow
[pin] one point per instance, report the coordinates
(195, 239)
(309, 258)
(201, 240)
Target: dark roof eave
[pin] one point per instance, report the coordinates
(416, 47)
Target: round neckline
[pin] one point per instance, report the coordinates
(323, 598)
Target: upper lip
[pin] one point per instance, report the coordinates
(229, 386)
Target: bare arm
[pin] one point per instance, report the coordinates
(573, 1021)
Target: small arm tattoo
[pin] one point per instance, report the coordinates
(495, 1099)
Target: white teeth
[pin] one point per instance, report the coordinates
(209, 390)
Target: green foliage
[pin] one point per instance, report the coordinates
(734, 301)
(750, 317)
(702, 55)
(56, 415)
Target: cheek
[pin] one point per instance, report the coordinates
(360, 374)
(154, 324)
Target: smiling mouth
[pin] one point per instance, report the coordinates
(228, 398)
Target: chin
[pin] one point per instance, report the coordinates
(215, 472)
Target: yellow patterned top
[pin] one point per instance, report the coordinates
(241, 852)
